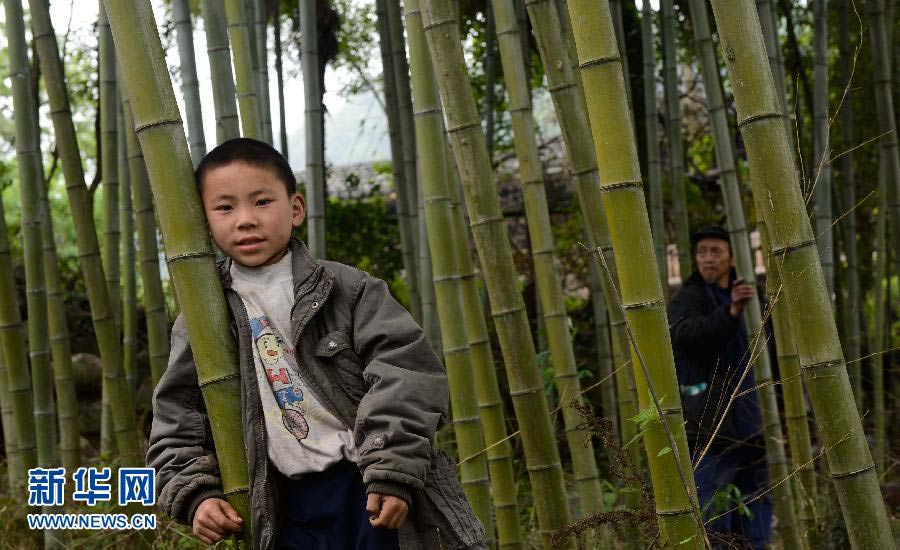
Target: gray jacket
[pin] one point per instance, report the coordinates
(368, 362)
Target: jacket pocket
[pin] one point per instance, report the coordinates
(442, 517)
(335, 350)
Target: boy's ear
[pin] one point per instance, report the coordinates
(298, 209)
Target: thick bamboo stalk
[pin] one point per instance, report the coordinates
(776, 186)
(109, 165)
(438, 216)
(85, 234)
(315, 139)
(562, 355)
(852, 341)
(768, 21)
(404, 217)
(244, 76)
(430, 317)
(651, 129)
(148, 252)
(219, 53)
(190, 86)
(261, 38)
(188, 249)
(675, 143)
(796, 419)
(31, 179)
(404, 104)
(14, 468)
(490, 403)
(822, 209)
(491, 241)
(279, 76)
(640, 288)
(555, 49)
(782, 496)
(129, 282)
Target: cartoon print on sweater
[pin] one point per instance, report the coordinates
(282, 379)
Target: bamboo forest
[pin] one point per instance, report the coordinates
(561, 274)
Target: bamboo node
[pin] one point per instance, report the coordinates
(467, 420)
(205, 383)
(823, 364)
(237, 491)
(756, 118)
(484, 221)
(543, 467)
(791, 247)
(157, 123)
(643, 305)
(853, 473)
(599, 61)
(423, 112)
(621, 185)
(509, 311)
(438, 23)
(189, 256)
(446, 278)
(520, 393)
(455, 351)
(464, 126)
(584, 171)
(561, 87)
(681, 512)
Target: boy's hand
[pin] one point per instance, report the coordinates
(214, 520)
(386, 510)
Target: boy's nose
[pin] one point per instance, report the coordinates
(246, 218)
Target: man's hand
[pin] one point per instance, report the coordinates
(741, 292)
(214, 520)
(386, 510)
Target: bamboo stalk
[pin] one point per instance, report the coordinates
(279, 75)
(782, 495)
(556, 320)
(109, 166)
(315, 140)
(218, 52)
(244, 75)
(261, 38)
(402, 201)
(129, 283)
(489, 229)
(675, 143)
(641, 291)
(14, 468)
(447, 283)
(571, 111)
(822, 208)
(190, 86)
(148, 252)
(651, 128)
(776, 186)
(85, 235)
(188, 249)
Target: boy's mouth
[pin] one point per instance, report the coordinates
(249, 244)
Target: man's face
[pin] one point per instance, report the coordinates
(714, 261)
(249, 212)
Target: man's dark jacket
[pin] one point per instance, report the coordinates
(701, 329)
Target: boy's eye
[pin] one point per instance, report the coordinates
(223, 207)
(263, 202)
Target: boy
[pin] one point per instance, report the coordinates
(341, 393)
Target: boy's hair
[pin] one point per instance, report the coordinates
(249, 151)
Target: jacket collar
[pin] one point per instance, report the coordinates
(303, 265)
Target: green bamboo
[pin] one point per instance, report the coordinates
(14, 467)
(877, 342)
(881, 37)
(651, 128)
(430, 317)
(404, 218)
(640, 288)
(768, 21)
(782, 496)
(86, 235)
(12, 337)
(508, 309)
(279, 76)
(31, 179)
(848, 188)
(822, 209)
(244, 76)
(60, 348)
(556, 320)
(109, 165)
(447, 284)
(568, 100)
(602, 341)
(315, 129)
(615, 7)
(404, 104)
(261, 37)
(188, 249)
(129, 283)
(190, 86)
(148, 252)
(795, 416)
(674, 138)
(218, 52)
(776, 186)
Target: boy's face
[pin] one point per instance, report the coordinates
(249, 212)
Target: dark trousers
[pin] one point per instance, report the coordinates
(327, 511)
(724, 473)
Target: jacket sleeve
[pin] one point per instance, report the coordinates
(181, 447)
(408, 395)
(691, 326)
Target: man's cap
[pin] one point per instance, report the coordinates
(710, 232)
